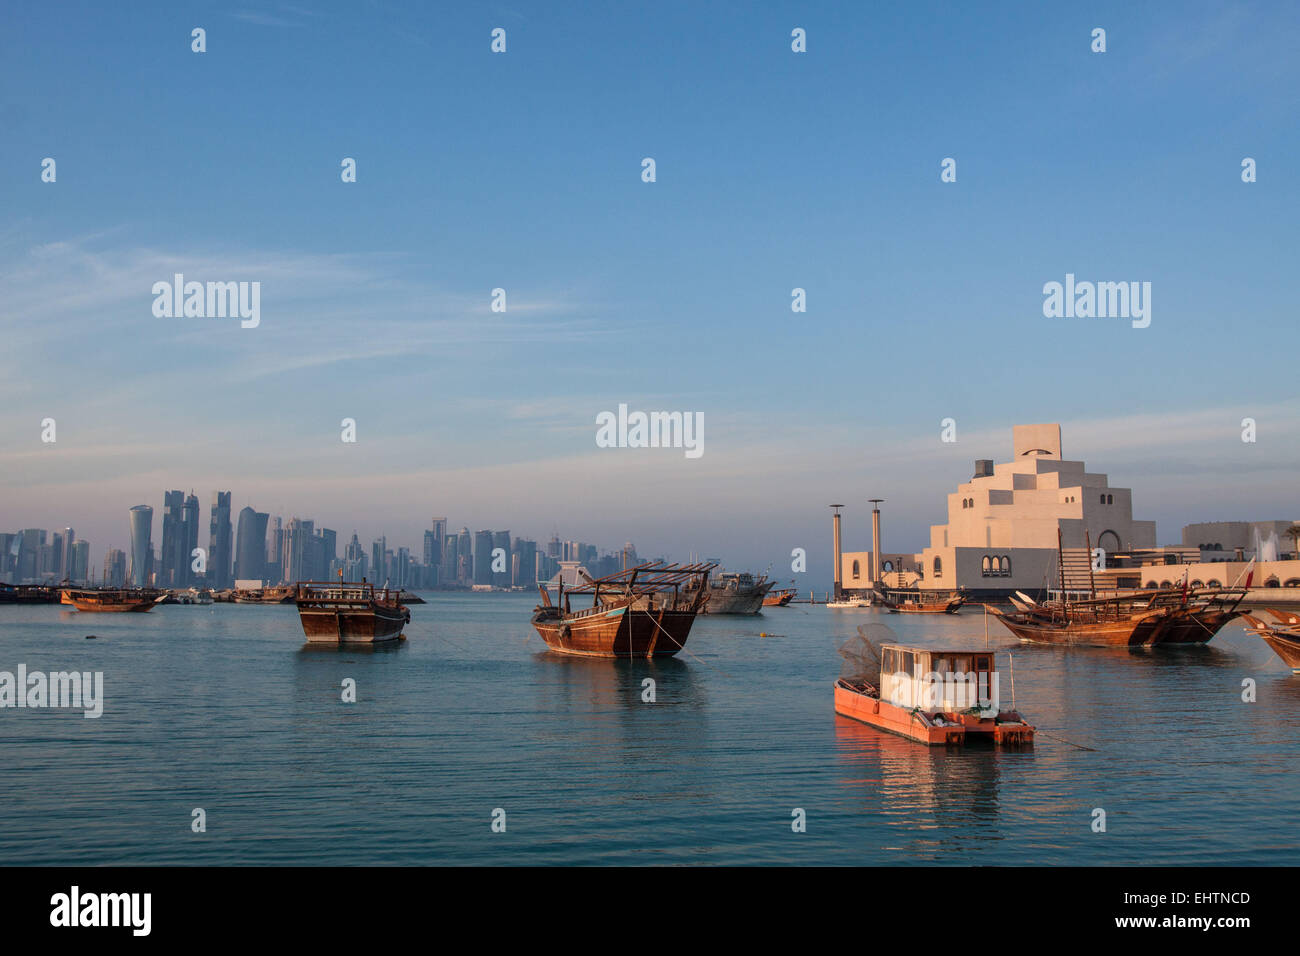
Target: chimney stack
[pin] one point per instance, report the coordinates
(875, 540)
(838, 562)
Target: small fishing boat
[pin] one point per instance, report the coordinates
(916, 601)
(645, 611)
(779, 598)
(930, 695)
(850, 603)
(349, 613)
(110, 599)
(1282, 634)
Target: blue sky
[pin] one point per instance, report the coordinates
(522, 171)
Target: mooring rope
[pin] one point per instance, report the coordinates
(1039, 730)
(681, 647)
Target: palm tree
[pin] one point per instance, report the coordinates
(1293, 533)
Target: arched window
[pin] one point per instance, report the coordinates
(888, 566)
(1103, 499)
(938, 567)
(1005, 566)
(857, 569)
(963, 502)
(1110, 499)
(986, 566)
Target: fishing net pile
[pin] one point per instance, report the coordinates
(862, 654)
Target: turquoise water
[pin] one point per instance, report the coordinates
(222, 708)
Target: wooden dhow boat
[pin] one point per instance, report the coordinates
(1282, 634)
(349, 612)
(110, 599)
(916, 601)
(733, 592)
(645, 611)
(778, 598)
(1176, 615)
(280, 594)
(1105, 622)
(930, 695)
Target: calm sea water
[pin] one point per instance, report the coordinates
(222, 708)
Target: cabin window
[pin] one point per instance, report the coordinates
(938, 568)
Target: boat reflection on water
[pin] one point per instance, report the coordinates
(942, 804)
(607, 709)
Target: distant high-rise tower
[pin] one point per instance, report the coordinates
(525, 567)
(483, 557)
(114, 574)
(464, 557)
(190, 532)
(250, 545)
(171, 571)
(501, 540)
(141, 545)
(275, 551)
(434, 543)
(79, 570)
(69, 539)
(220, 539)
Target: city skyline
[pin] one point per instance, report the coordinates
(1194, 480)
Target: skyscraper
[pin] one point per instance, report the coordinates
(114, 573)
(275, 551)
(190, 532)
(434, 543)
(141, 545)
(69, 538)
(483, 557)
(501, 541)
(329, 551)
(171, 573)
(524, 569)
(250, 553)
(30, 542)
(220, 538)
(79, 569)
(464, 557)
(298, 550)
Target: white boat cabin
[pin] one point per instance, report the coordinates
(935, 681)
